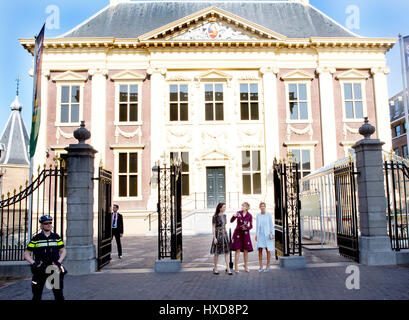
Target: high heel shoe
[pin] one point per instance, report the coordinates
(229, 272)
(214, 272)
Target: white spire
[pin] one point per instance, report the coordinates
(16, 104)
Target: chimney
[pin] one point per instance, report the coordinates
(115, 2)
(304, 2)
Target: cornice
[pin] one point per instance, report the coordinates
(293, 43)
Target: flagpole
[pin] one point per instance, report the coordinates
(405, 89)
(38, 50)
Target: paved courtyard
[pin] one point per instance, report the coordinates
(133, 278)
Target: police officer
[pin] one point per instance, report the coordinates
(48, 249)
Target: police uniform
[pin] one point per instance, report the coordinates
(46, 250)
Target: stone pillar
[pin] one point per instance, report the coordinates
(79, 237)
(374, 243)
(382, 105)
(271, 124)
(328, 133)
(158, 137)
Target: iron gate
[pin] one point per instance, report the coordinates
(346, 210)
(397, 192)
(169, 211)
(47, 194)
(287, 209)
(104, 217)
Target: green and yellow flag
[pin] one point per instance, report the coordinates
(35, 124)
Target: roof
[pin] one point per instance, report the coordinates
(133, 19)
(14, 138)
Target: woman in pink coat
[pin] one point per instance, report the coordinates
(241, 240)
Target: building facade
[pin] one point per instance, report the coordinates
(398, 125)
(226, 87)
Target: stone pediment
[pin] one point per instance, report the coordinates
(214, 155)
(297, 75)
(352, 74)
(70, 76)
(212, 24)
(214, 75)
(127, 75)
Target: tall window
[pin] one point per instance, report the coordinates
(298, 101)
(70, 104)
(128, 103)
(404, 127)
(184, 158)
(405, 151)
(353, 101)
(397, 131)
(214, 102)
(249, 101)
(128, 174)
(397, 110)
(178, 97)
(251, 172)
(303, 157)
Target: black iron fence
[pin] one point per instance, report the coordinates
(346, 209)
(287, 209)
(104, 217)
(397, 197)
(169, 212)
(21, 210)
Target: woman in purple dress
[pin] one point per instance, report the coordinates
(241, 240)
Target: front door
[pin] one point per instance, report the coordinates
(216, 189)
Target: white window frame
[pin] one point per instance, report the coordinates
(364, 106)
(312, 158)
(119, 83)
(189, 103)
(58, 104)
(116, 152)
(251, 171)
(259, 101)
(287, 100)
(203, 88)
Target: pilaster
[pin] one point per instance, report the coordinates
(328, 128)
(382, 105)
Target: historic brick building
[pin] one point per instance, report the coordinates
(227, 86)
(398, 125)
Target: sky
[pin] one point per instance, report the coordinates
(24, 19)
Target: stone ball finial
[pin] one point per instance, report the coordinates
(367, 129)
(82, 134)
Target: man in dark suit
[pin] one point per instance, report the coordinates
(117, 228)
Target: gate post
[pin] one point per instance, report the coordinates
(374, 243)
(80, 197)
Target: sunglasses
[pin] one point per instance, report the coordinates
(47, 223)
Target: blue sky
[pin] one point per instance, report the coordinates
(24, 19)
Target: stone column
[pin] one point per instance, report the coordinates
(328, 132)
(271, 124)
(382, 105)
(79, 237)
(158, 135)
(374, 243)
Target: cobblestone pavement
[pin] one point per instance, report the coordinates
(141, 252)
(133, 278)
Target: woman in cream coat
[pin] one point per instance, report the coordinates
(264, 236)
